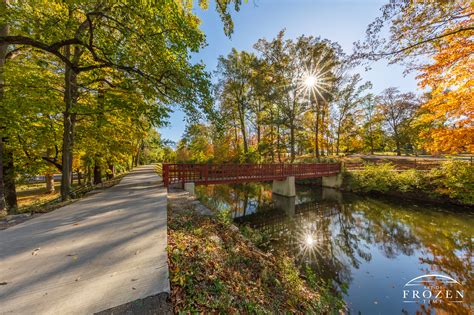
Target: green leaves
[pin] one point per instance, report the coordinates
(132, 63)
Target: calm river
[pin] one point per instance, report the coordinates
(369, 249)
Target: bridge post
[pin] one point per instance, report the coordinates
(334, 181)
(284, 203)
(331, 194)
(189, 187)
(284, 187)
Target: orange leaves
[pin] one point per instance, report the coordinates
(449, 111)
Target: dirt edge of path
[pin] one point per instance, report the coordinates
(156, 304)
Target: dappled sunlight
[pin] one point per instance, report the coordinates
(106, 245)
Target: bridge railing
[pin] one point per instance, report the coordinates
(234, 173)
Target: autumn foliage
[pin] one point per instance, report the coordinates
(214, 269)
(449, 111)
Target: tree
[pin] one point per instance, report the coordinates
(415, 28)
(371, 129)
(398, 110)
(293, 63)
(235, 89)
(436, 39)
(195, 145)
(149, 42)
(449, 111)
(348, 100)
(3, 53)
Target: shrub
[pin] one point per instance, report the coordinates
(409, 180)
(374, 177)
(454, 179)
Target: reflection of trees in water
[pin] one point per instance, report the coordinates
(459, 267)
(344, 232)
(384, 228)
(445, 240)
(239, 199)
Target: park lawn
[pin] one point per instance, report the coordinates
(34, 194)
(215, 269)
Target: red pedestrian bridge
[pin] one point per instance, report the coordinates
(207, 174)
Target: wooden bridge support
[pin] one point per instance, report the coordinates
(285, 187)
(332, 181)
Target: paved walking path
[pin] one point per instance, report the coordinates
(102, 251)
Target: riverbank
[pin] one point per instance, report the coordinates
(214, 268)
(452, 183)
(367, 248)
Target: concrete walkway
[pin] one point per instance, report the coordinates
(104, 250)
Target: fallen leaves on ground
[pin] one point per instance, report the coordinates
(213, 268)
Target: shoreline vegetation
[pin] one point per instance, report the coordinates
(452, 182)
(217, 267)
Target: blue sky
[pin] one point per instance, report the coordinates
(343, 21)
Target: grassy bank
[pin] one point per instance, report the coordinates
(452, 181)
(214, 268)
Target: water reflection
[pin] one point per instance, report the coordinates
(371, 246)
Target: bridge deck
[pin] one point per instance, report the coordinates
(205, 174)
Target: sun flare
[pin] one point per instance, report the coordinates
(310, 81)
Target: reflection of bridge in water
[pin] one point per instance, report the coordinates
(285, 212)
(306, 231)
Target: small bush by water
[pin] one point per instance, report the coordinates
(453, 180)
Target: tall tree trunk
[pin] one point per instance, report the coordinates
(89, 174)
(372, 145)
(69, 122)
(397, 143)
(259, 131)
(278, 143)
(97, 174)
(236, 138)
(79, 177)
(399, 151)
(49, 178)
(9, 181)
(292, 143)
(139, 151)
(371, 140)
(111, 173)
(316, 131)
(328, 140)
(322, 129)
(243, 130)
(3, 54)
(3, 205)
(337, 138)
(272, 138)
